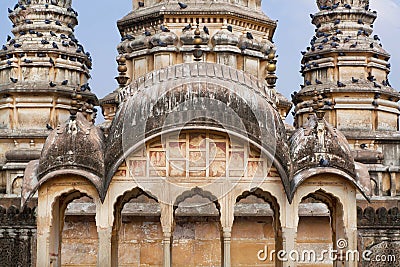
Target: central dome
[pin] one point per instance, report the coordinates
(194, 96)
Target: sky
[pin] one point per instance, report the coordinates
(98, 33)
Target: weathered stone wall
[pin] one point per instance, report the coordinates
(314, 233)
(196, 242)
(140, 242)
(250, 235)
(79, 241)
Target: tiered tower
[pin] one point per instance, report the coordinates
(157, 34)
(41, 66)
(347, 65)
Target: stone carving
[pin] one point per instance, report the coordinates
(388, 253)
(194, 155)
(369, 217)
(17, 186)
(17, 231)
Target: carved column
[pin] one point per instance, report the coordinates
(227, 217)
(167, 236)
(227, 247)
(393, 184)
(104, 222)
(47, 231)
(167, 219)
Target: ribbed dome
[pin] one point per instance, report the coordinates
(318, 144)
(76, 145)
(197, 95)
(44, 39)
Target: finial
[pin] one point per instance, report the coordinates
(122, 79)
(197, 41)
(271, 68)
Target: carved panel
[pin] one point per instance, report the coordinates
(194, 155)
(17, 231)
(384, 254)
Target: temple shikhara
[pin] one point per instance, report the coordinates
(193, 163)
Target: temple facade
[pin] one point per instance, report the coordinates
(194, 164)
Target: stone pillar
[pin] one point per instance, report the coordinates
(227, 218)
(167, 220)
(104, 255)
(351, 226)
(379, 184)
(227, 247)
(48, 231)
(288, 244)
(393, 184)
(105, 221)
(167, 249)
(289, 217)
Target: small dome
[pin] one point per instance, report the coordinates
(225, 37)
(318, 144)
(76, 145)
(188, 36)
(140, 42)
(252, 44)
(267, 46)
(128, 46)
(164, 39)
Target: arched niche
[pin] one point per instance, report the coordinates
(79, 239)
(256, 227)
(137, 233)
(320, 228)
(71, 236)
(196, 237)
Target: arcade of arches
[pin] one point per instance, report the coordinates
(162, 210)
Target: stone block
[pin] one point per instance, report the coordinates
(151, 253)
(244, 253)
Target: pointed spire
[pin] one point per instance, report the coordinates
(346, 61)
(44, 40)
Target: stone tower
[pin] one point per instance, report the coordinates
(347, 65)
(41, 66)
